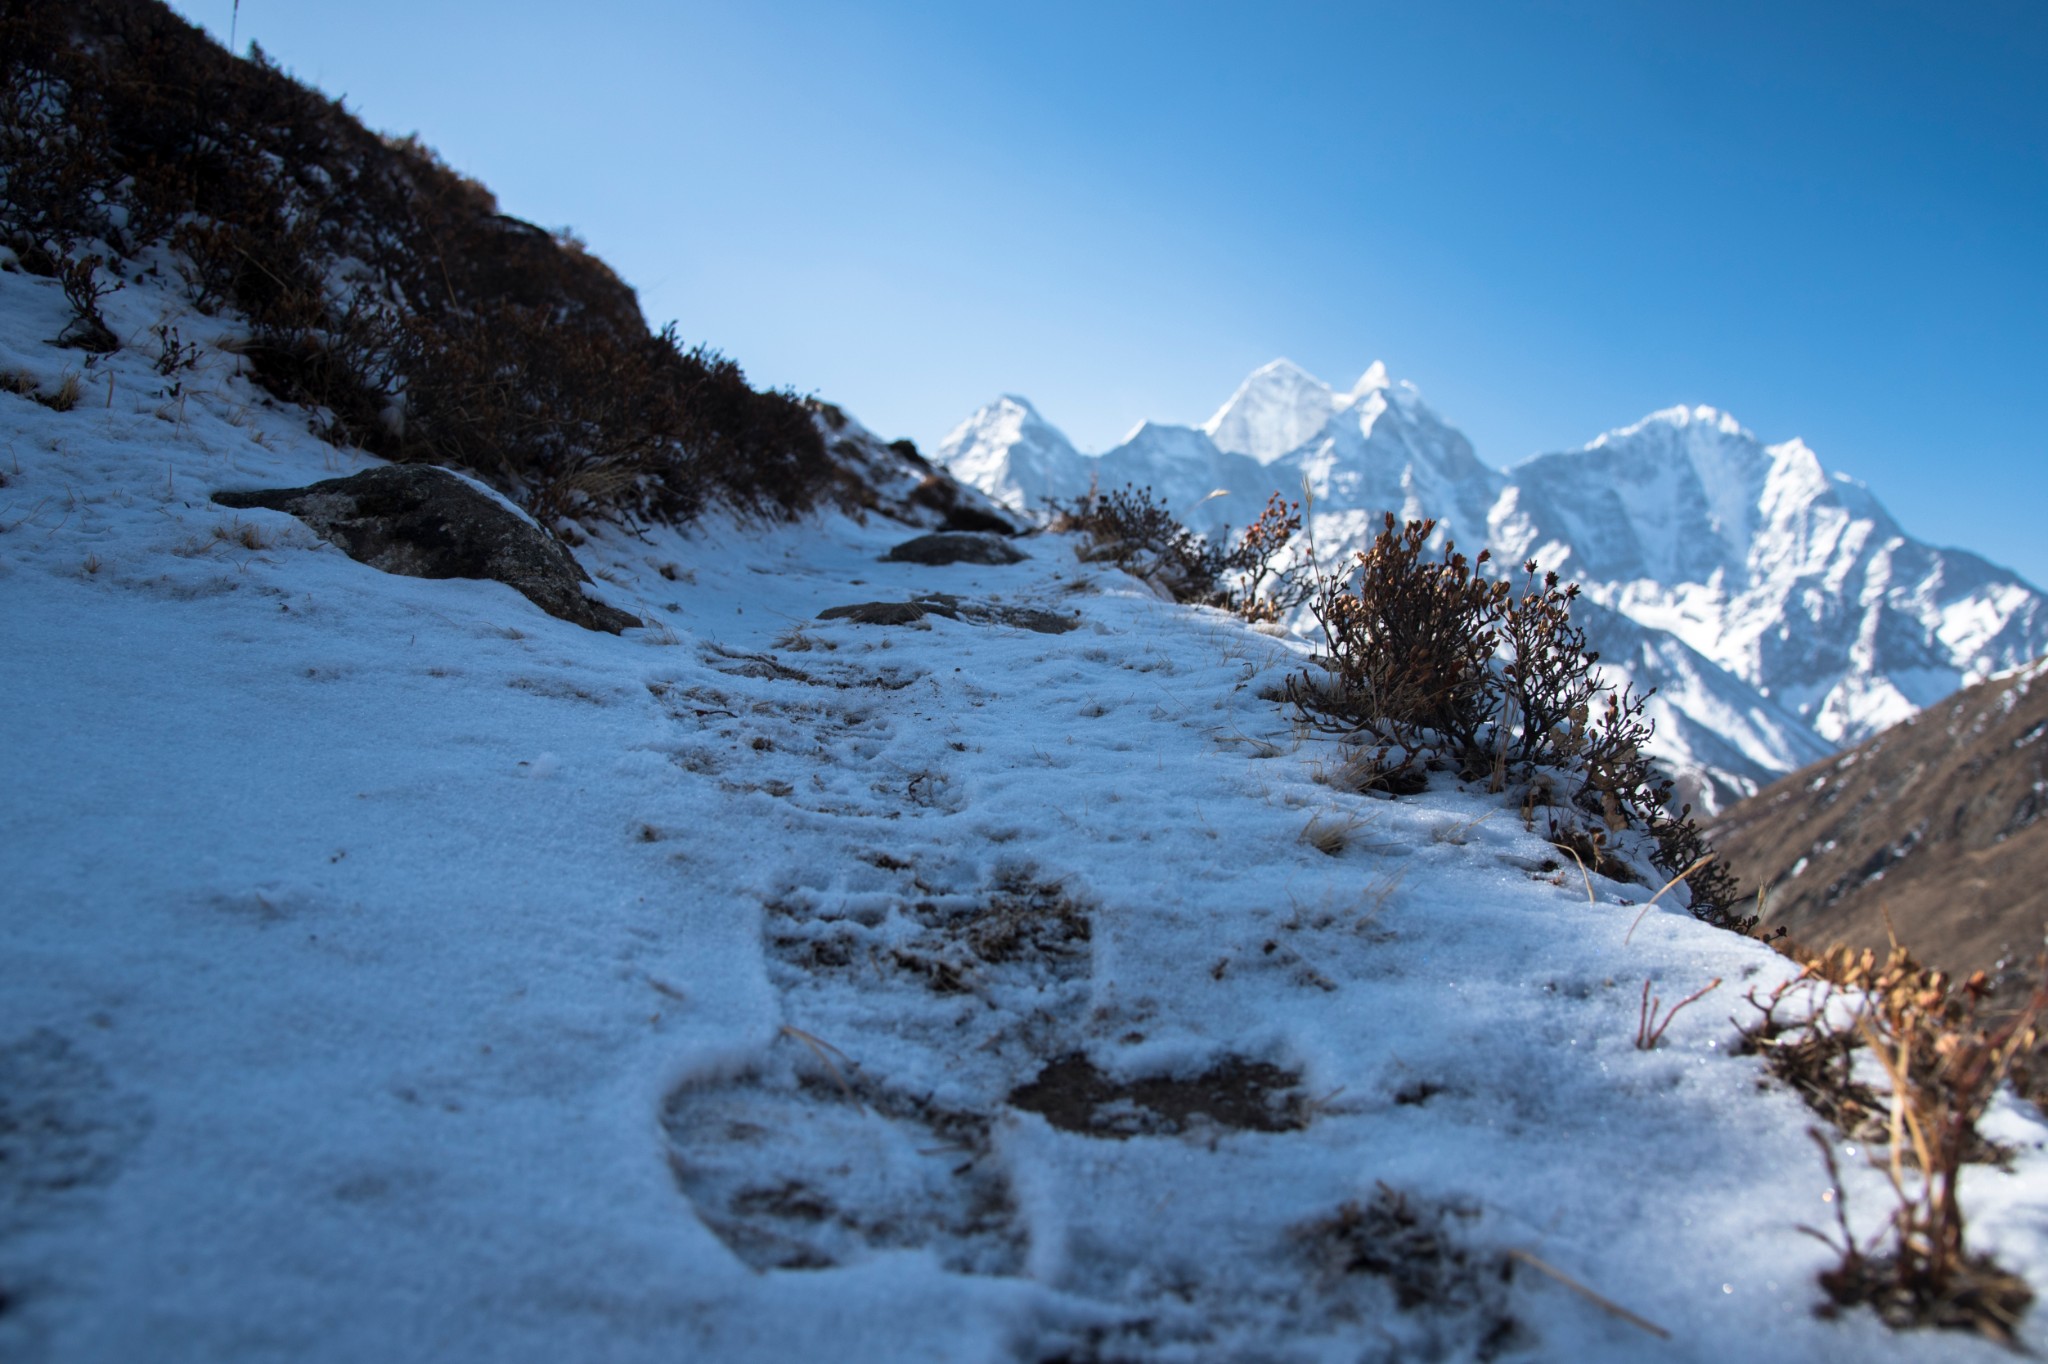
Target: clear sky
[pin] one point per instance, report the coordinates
(1828, 219)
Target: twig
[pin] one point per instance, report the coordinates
(1648, 1030)
(1607, 1305)
(1660, 894)
(820, 1049)
(1582, 874)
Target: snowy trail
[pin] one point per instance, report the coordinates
(397, 971)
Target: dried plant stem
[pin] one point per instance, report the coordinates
(1605, 1304)
(1660, 894)
(1648, 1030)
(1583, 876)
(824, 1051)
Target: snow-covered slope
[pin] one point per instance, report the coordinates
(1788, 593)
(397, 972)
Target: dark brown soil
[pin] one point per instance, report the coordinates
(1413, 1247)
(1074, 1096)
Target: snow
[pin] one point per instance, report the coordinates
(399, 972)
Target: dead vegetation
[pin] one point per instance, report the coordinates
(1130, 529)
(1430, 665)
(1942, 1058)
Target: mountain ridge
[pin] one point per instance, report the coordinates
(1798, 599)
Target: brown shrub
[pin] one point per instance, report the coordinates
(1440, 666)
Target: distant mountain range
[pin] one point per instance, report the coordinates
(1779, 610)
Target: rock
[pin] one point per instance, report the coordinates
(884, 613)
(963, 508)
(426, 522)
(953, 547)
(1044, 622)
(913, 613)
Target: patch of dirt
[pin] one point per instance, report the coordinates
(768, 668)
(1458, 1294)
(63, 1126)
(797, 1170)
(1021, 919)
(1020, 929)
(1589, 850)
(1074, 1096)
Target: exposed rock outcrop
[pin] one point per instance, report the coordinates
(426, 522)
(954, 547)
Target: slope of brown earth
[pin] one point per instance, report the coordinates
(1937, 822)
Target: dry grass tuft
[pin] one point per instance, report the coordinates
(66, 396)
(1330, 834)
(1649, 1029)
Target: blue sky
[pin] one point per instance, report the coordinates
(1830, 220)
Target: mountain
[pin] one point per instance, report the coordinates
(1721, 738)
(1796, 580)
(1377, 446)
(1933, 829)
(1011, 453)
(1276, 408)
(1779, 609)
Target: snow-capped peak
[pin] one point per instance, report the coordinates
(1011, 451)
(1703, 418)
(1276, 408)
(1374, 379)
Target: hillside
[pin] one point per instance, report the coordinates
(601, 881)
(1934, 823)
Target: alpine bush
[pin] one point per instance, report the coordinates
(1138, 534)
(1430, 663)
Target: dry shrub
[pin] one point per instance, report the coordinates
(1410, 643)
(1130, 529)
(1438, 665)
(1943, 1059)
(1141, 536)
(83, 290)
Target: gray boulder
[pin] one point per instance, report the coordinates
(956, 548)
(426, 522)
(943, 604)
